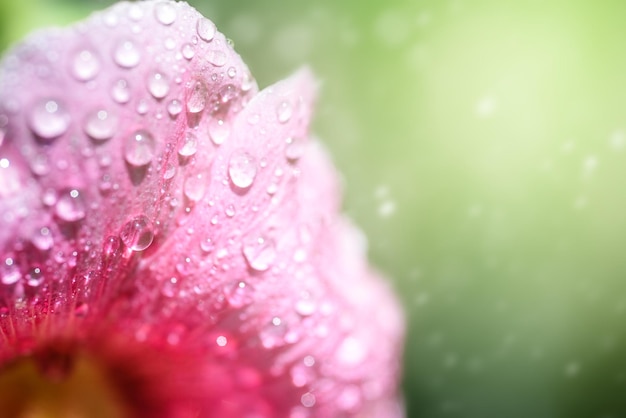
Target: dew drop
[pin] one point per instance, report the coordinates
(165, 13)
(142, 107)
(232, 72)
(197, 98)
(238, 294)
(259, 252)
(126, 54)
(85, 65)
(242, 169)
(207, 245)
(121, 91)
(42, 239)
(216, 57)
(49, 119)
(170, 171)
(158, 85)
(284, 112)
(70, 205)
(227, 94)
(206, 29)
(294, 149)
(189, 146)
(9, 272)
(305, 307)
(188, 51)
(139, 148)
(230, 211)
(219, 131)
(174, 107)
(34, 277)
(111, 246)
(100, 125)
(137, 234)
(194, 187)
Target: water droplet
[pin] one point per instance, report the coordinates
(142, 107)
(9, 272)
(206, 29)
(219, 131)
(158, 85)
(230, 211)
(194, 187)
(170, 43)
(49, 119)
(305, 307)
(189, 146)
(34, 277)
(239, 293)
(294, 149)
(227, 94)
(207, 245)
(100, 125)
(284, 112)
(126, 54)
(135, 12)
(165, 13)
(232, 72)
(188, 51)
(174, 107)
(111, 246)
(137, 233)
(85, 65)
(42, 239)
(216, 57)
(70, 205)
(197, 98)
(139, 148)
(259, 252)
(121, 91)
(242, 169)
(170, 171)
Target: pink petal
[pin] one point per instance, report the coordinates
(208, 223)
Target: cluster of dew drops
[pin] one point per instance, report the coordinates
(49, 119)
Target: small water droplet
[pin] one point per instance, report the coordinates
(126, 54)
(259, 252)
(137, 234)
(85, 65)
(70, 205)
(34, 277)
(158, 84)
(294, 149)
(170, 171)
(121, 91)
(189, 146)
(284, 112)
(242, 169)
(308, 400)
(139, 148)
(9, 272)
(165, 13)
(142, 107)
(238, 293)
(219, 131)
(206, 29)
(232, 72)
(305, 307)
(174, 107)
(207, 245)
(135, 12)
(230, 211)
(42, 239)
(111, 246)
(49, 119)
(100, 125)
(226, 94)
(197, 98)
(194, 187)
(188, 51)
(216, 57)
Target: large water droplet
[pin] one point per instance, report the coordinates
(100, 125)
(259, 251)
(127, 54)
(158, 84)
(189, 145)
(137, 234)
(165, 13)
(194, 187)
(284, 112)
(42, 239)
(206, 29)
(216, 57)
(70, 205)
(219, 130)
(242, 169)
(174, 107)
(121, 91)
(49, 119)
(85, 65)
(139, 148)
(9, 271)
(197, 98)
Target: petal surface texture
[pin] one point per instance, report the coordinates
(145, 183)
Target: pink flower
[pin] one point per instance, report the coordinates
(171, 244)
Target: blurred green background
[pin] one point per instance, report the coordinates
(483, 148)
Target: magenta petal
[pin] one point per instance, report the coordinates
(145, 183)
